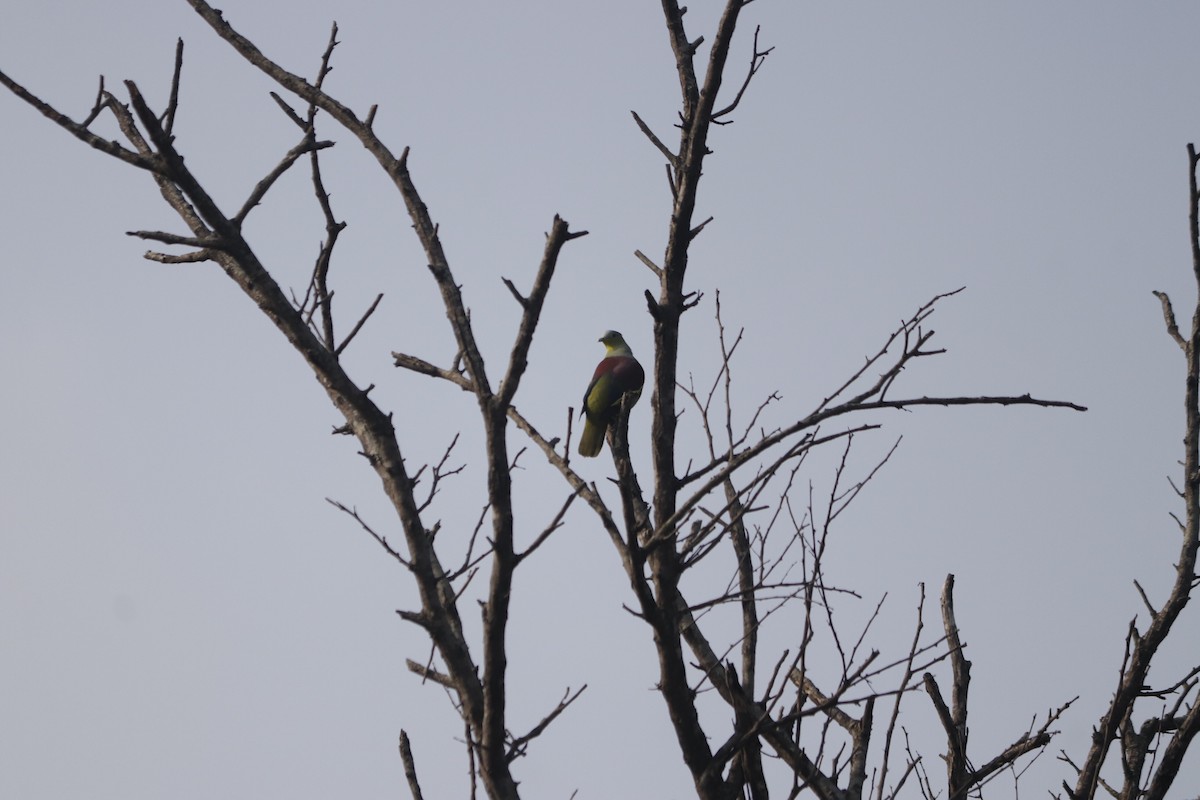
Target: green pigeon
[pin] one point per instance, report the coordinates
(618, 375)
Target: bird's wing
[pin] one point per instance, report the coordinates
(614, 376)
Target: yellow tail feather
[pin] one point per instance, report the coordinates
(592, 439)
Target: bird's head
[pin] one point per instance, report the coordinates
(614, 344)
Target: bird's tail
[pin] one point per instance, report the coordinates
(592, 439)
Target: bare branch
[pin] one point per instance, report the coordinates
(383, 542)
(672, 159)
(559, 235)
(696, 230)
(205, 243)
(440, 473)
(521, 299)
(410, 767)
(80, 130)
(657, 270)
(358, 325)
(1169, 319)
(185, 258)
(289, 111)
(554, 525)
(428, 673)
(905, 680)
(1024, 745)
(98, 106)
(308, 145)
(319, 285)
(396, 168)
(425, 368)
(757, 57)
(173, 102)
(1145, 599)
(518, 746)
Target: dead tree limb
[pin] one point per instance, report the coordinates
(1145, 641)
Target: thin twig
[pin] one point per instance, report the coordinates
(358, 325)
(173, 102)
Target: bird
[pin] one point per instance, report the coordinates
(617, 376)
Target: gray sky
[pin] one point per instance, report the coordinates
(184, 616)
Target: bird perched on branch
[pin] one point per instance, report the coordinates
(617, 376)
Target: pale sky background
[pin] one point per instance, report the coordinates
(183, 615)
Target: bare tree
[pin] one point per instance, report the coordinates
(747, 508)
(1152, 745)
